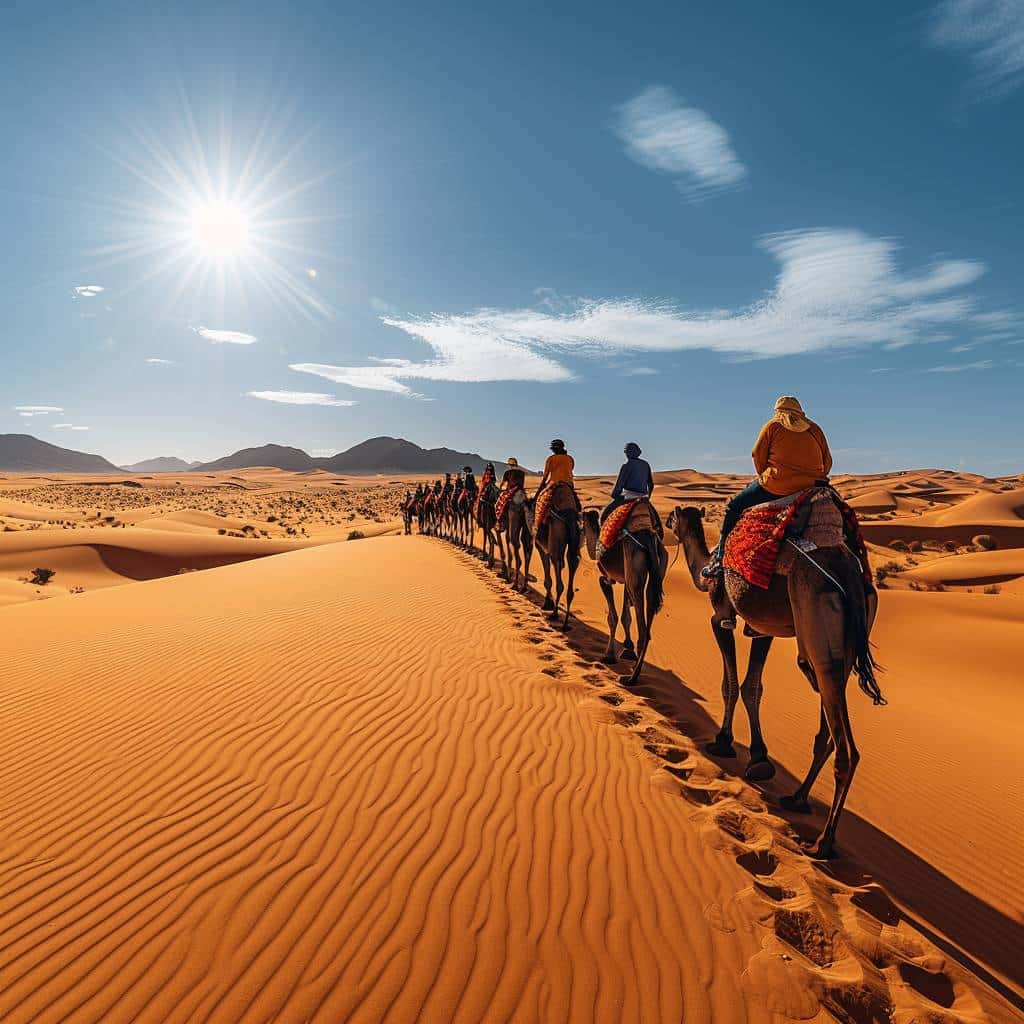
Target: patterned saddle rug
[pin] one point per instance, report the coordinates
(813, 518)
(632, 516)
(503, 499)
(566, 496)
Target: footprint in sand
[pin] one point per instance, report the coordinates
(611, 698)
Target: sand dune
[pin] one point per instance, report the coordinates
(362, 781)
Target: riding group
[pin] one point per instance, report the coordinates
(790, 561)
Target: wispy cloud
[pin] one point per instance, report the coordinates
(36, 410)
(835, 289)
(68, 426)
(990, 33)
(87, 291)
(219, 337)
(160, 362)
(299, 397)
(662, 133)
(981, 364)
(639, 371)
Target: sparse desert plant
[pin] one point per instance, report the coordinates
(937, 588)
(899, 545)
(915, 585)
(916, 546)
(356, 535)
(222, 531)
(949, 545)
(40, 577)
(77, 590)
(984, 542)
(992, 588)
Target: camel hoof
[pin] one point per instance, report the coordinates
(795, 804)
(554, 616)
(628, 654)
(718, 748)
(548, 605)
(759, 771)
(629, 680)
(609, 659)
(822, 849)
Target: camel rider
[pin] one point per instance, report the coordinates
(790, 454)
(557, 470)
(469, 482)
(448, 485)
(514, 477)
(418, 496)
(635, 480)
(489, 476)
(437, 488)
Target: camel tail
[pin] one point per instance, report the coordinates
(574, 543)
(655, 584)
(856, 608)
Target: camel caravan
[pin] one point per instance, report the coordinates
(790, 562)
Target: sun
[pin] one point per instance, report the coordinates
(219, 230)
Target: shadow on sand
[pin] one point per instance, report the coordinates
(967, 929)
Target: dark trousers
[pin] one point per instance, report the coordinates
(751, 495)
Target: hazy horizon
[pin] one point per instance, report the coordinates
(480, 229)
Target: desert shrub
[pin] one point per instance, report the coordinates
(915, 585)
(222, 531)
(40, 577)
(916, 546)
(356, 535)
(949, 545)
(899, 545)
(937, 588)
(991, 589)
(891, 568)
(985, 542)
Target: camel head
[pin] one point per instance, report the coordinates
(684, 522)
(591, 528)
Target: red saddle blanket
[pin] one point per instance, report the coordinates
(755, 543)
(503, 499)
(544, 499)
(638, 514)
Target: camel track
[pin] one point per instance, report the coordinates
(335, 785)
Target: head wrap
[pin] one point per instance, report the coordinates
(632, 450)
(790, 414)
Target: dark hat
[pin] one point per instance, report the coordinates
(632, 448)
(467, 469)
(558, 443)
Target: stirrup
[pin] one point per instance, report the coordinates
(727, 623)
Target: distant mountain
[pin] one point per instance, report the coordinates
(396, 455)
(276, 455)
(161, 464)
(22, 453)
(377, 455)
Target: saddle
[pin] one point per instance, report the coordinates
(768, 538)
(557, 497)
(631, 517)
(504, 498)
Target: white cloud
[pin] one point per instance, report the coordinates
(88, 291)
(991, 33)
(36, 410)
(160, 362)
(981, 364)
(311, 272)
(219, 337)
(835, 289)
(298, 397)
(664, 134)
(639, 371)
(68, 426)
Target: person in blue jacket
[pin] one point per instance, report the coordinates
(635, 480)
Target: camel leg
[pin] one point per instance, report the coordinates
(759, 768)
(527, 556)
(721, 745)
(559, 567)
(628, 650)
(613, 619)
(643, 632)
(570, 590)
(823, 747)
(545, 561)
(832, 677)
(498, 536)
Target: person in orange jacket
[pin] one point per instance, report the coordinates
(790, 454)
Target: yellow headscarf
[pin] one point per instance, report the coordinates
(789, 412)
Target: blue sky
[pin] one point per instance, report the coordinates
(486, 225)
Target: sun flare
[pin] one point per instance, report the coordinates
(219, 230)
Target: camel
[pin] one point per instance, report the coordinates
(639, 562)
(407, 514)
(487, 521)
(832, 629)
(561, 545)
(520, 542)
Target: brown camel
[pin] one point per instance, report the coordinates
(830, 611)
(639, 562)
(520, 542)
(487, 521)
(561, 544)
